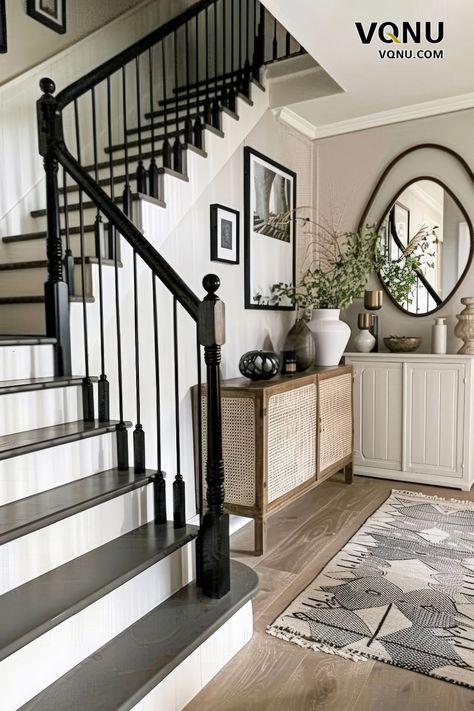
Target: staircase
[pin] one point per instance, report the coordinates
(105, 603)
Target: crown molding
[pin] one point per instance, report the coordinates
(382, 118)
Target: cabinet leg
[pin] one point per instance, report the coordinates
(260, 532)
(348, 475)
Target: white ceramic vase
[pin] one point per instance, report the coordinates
(330, 336)
(364, 341)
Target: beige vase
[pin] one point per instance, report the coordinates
(465, 327)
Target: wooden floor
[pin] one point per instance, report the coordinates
(272, 675)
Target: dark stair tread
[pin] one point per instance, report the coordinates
(131, 177)
(173, 109)
(119, 674)
(38, 299)
(34, 512)
(28, 384)
(27, 341)
(42, 263)
(233, 76)
(13, 445)
(37, 606)
(42, 233)
(73, 207)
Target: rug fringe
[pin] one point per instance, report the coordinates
(432, 497)
(290, 635)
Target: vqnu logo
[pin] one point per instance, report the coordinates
(390, 32)
(404, 33)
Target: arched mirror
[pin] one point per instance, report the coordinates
(421, 205)
(427, 222)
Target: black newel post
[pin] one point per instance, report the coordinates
(56, 290)
(213, 541)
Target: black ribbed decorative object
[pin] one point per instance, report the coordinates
(259, 365)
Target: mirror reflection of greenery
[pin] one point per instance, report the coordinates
(337, 265)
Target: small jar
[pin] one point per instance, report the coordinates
(289, 363)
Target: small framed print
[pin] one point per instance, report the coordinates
(51, 13)
(225, 234)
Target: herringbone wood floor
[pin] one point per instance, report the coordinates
(272, 675)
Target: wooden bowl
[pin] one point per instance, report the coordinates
(402, 344)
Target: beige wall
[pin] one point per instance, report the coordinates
(346, 170)
(30, 42)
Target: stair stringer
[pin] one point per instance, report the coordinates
(157, 223)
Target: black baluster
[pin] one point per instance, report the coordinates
(224, 53)
(177, 146)
(141, 172)
(167, 152)
(213, 539)
(139, 433)
(68, 257)
(122, 435)
(288, 44)
(87, 387)
(231, 90)
(216, 109)
(103, 386)
(121, 430)
(197, 128)
(188, 123)
(127, 193)
(275, 41)
(208, 104)
(56, 294)
(200, 493)
(153, 175)
(247, 72)
(179, 503)
(159, 488)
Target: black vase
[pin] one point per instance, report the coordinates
(300, 340)
(259, 365)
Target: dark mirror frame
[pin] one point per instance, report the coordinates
(377, 187)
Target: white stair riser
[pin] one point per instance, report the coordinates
(52, 654)
(32, 473)
(40, 408)
(19, 362)
(31, 555)
(178, 688)
(35, 249)
(22, 319)
(30, 282)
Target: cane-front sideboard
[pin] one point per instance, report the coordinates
(281, 438)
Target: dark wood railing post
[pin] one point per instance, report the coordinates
(56, 291)
(213, 541)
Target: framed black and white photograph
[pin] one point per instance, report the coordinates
(51, 13)
(225, 237)
(3, 28)
(269, 204)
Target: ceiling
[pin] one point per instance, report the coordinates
(376, 90)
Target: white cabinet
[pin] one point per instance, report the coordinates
(412, 417)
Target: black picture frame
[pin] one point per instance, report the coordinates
(51, 13)
(3, 28)
(225, 234)
(266, 237)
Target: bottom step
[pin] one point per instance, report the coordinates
(165, 658)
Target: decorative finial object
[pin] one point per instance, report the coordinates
(47, 85)
(211, 283)
(259, 365)
(465, 327)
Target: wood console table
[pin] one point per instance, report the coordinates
(281, 438)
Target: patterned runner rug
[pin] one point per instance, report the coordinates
(400, 591)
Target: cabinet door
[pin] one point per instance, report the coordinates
(434, 418)
(378, 415)
(335, 421)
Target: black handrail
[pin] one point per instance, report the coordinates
(98, 74)
(170, 278)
